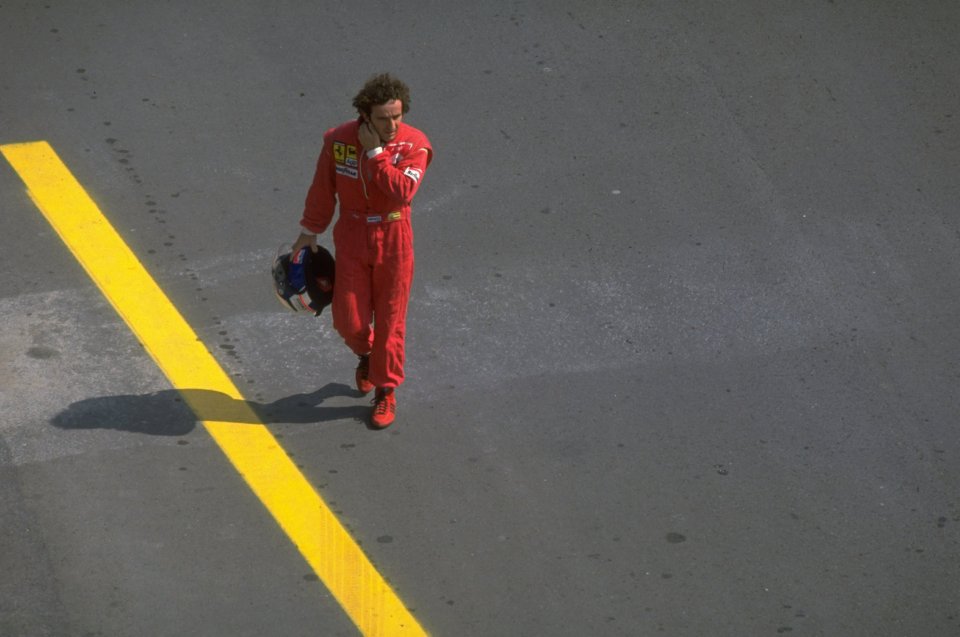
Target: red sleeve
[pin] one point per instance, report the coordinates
(400, 181)
(322, 196)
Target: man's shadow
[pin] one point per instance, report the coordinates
(175, 412)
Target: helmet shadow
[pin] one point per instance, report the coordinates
(174, 412)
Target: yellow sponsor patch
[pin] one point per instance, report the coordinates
(339, 152)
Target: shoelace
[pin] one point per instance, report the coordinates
(381, 405)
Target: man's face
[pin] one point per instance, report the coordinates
(386, 119)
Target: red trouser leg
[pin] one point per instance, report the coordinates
(392, 278)
(374, 274)
(352, 288)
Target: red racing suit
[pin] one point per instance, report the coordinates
(372, 238)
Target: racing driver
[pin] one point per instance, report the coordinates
(372, 166)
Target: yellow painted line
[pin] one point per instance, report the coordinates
(255, 453)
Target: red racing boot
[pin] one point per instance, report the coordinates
(364, 386)
(384, 408)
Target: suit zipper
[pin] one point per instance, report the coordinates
(363, 182)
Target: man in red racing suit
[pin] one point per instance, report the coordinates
(373, 167)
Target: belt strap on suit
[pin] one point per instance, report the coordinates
(387, 217)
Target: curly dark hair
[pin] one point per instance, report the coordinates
(381, 89)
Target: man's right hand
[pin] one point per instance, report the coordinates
(368, 136)
(304, 241)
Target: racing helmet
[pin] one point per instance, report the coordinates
(303, 281)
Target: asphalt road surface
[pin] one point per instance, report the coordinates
(683, 338)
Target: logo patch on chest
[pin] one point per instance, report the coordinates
(345, 157)
(347, 171)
